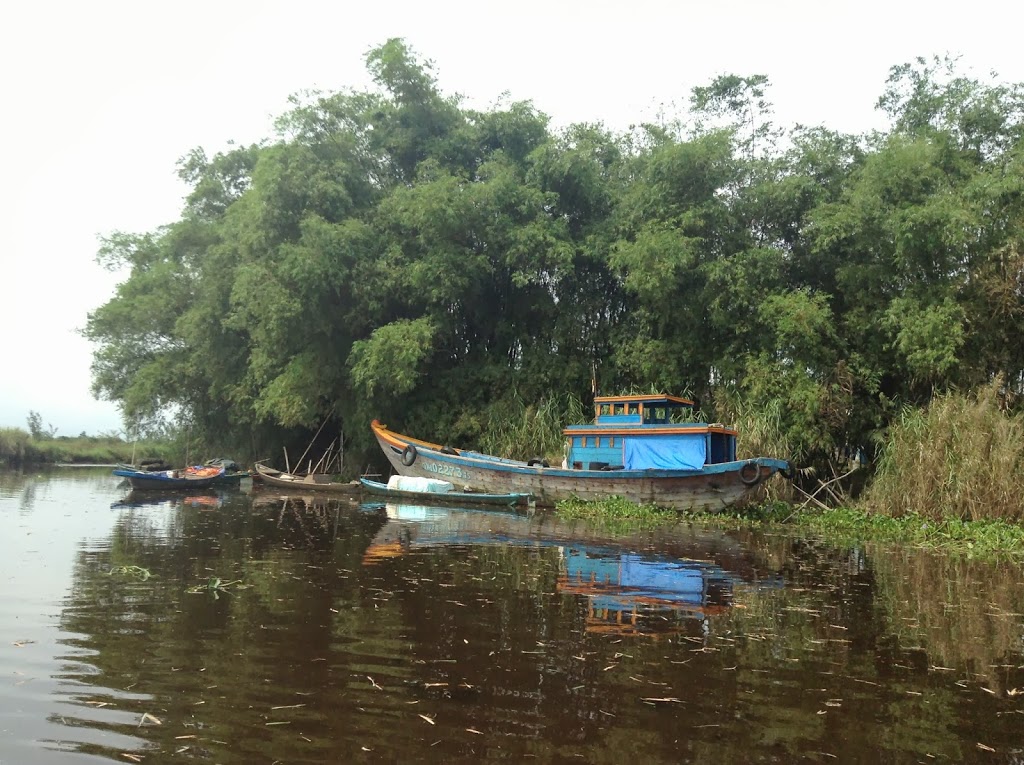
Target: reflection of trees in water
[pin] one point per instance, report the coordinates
(352, 625)
(174, 649)
(478, 632)
(858, 634)
(964, 614)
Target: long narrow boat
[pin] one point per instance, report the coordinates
(185, 478)
(450, 497)
(637, 448)
(312, 482)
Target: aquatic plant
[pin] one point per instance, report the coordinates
(136, 572)
(844, 525)
(615, 508)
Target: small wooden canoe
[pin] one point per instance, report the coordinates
(454, 497)
(312, 482)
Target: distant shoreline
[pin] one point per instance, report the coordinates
(85, 464)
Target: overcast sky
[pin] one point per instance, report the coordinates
(101, 98)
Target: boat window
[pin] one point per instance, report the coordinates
(634, 408)
(620, 409)
(605, 409)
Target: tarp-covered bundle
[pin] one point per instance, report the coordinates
(412, 483)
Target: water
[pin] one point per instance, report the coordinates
(251, 627)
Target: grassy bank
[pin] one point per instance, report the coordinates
(981, 537)
(18, 447)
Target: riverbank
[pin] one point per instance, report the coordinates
(19, 448)
(839, 525)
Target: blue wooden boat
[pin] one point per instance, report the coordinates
(450, 497)
(638, 447)
(185, 478)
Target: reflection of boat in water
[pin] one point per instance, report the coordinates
(273, 497)
(207, 500)
(625, 591)
(623, 588)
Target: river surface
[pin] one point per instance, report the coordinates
(253, 627)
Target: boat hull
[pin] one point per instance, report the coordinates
(443, 498)
(148, 482)
(710, 489)
(317, 483)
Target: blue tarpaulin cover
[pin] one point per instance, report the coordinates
(665, 453)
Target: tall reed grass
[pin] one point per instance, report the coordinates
(962, 458)
(517, 431)
(760, 428)
(15, 446)
(761, 434)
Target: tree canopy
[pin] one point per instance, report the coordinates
(393, 254)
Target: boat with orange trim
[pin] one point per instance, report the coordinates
(639, 447)
(192, 477)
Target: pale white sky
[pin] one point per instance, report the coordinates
(101, 98)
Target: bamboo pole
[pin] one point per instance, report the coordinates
(313, 439)
(325, 460)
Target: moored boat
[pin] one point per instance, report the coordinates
(197, 477)
(447, 495)
(637, 448)
(312, 482)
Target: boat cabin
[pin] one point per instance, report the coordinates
(647, 433)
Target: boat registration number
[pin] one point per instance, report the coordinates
(442, 468)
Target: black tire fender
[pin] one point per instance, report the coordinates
(408, 455)
(750, 473)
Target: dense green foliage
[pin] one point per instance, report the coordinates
(393, 254)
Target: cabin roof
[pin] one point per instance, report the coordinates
(651, 398)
